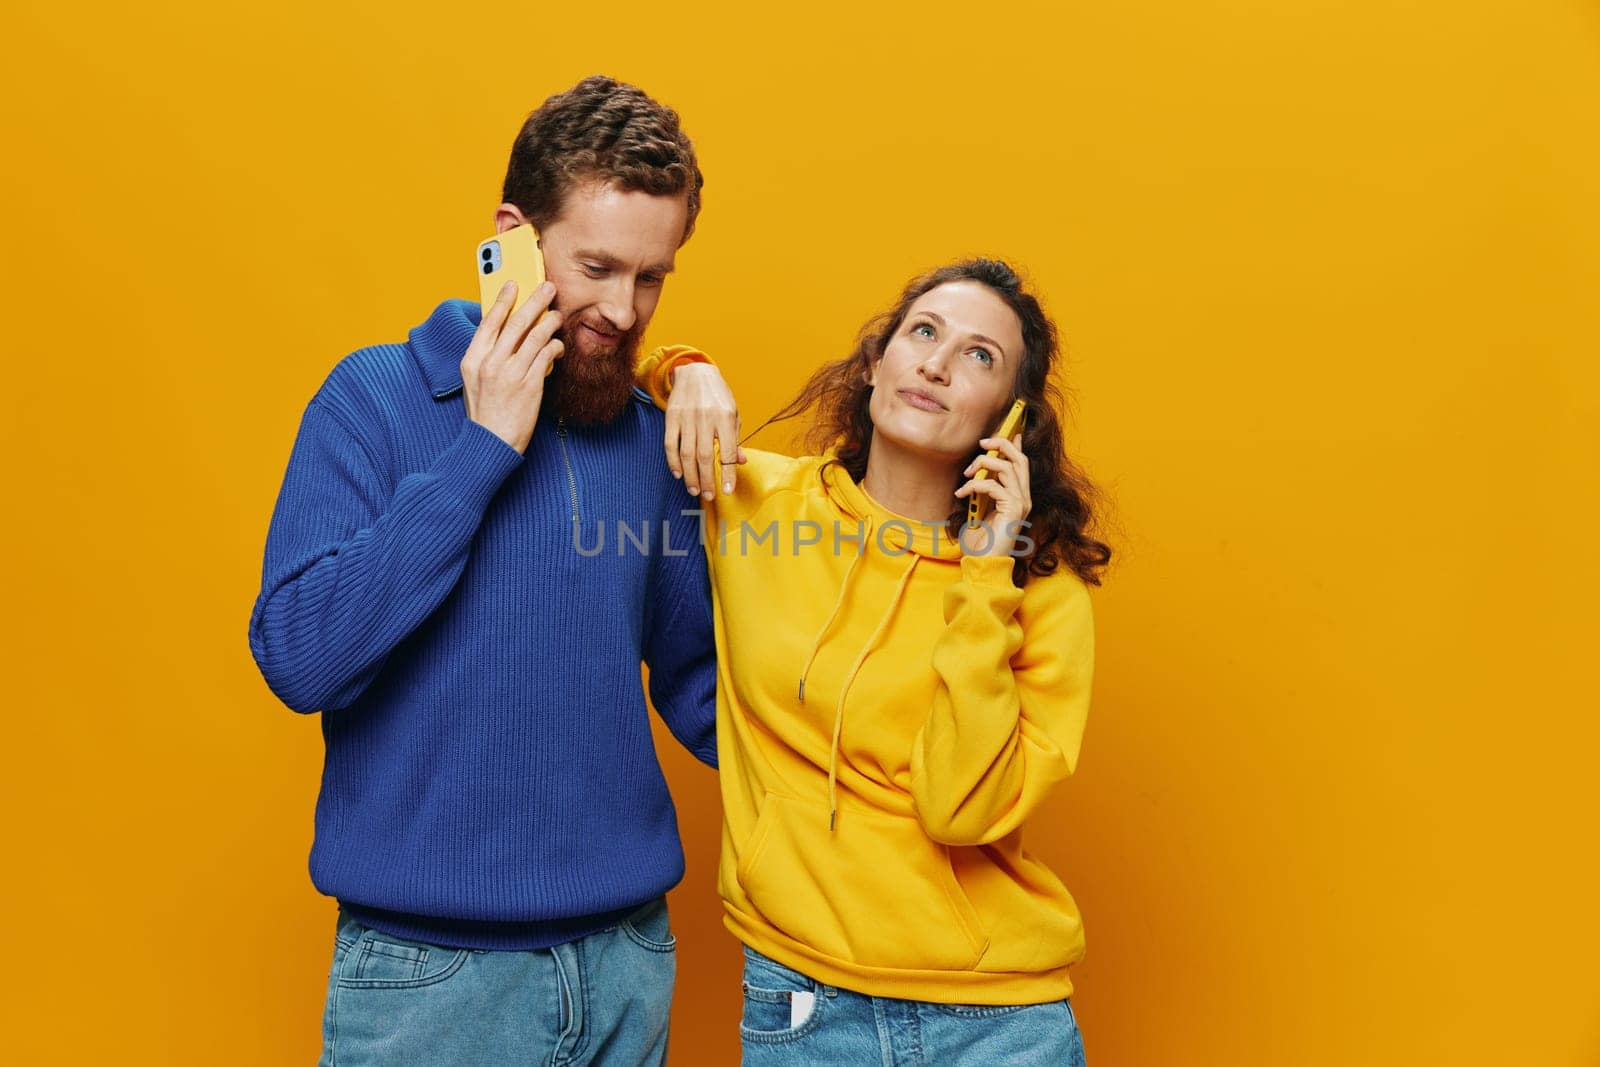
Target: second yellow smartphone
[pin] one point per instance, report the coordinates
(1008, 429)
(512, 256)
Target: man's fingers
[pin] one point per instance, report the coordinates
(516, 330)
(483, 338)
(496, 313)
(548, 354)
(535, 342)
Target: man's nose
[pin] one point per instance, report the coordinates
(617, 305)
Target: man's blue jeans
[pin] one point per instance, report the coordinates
(603, 999)
(830, 1025)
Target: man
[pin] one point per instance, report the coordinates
(492, 817)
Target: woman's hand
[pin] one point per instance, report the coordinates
(1007, 488)
(702, 415)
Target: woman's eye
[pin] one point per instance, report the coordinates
(919, 327)
(984, 356)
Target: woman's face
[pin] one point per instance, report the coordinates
(946, 375)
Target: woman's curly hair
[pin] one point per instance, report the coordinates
(1064, 500)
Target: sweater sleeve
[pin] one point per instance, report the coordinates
(680, 643)
(1013, 696)
(351, 569)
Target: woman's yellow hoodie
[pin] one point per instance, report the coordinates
(890, 712)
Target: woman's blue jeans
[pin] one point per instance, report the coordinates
(831, 1025)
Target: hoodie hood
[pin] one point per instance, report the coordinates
(894, 534)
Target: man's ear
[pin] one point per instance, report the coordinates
(508, 217)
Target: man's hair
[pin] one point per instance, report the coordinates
(606, 129)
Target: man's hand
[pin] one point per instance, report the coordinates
(502, 374)
(701, 415)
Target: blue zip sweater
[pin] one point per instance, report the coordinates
(490, 779)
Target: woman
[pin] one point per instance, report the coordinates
(899, 691)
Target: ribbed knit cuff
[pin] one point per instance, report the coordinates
(476, 464)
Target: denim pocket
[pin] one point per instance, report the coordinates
(381, 961)
(1009, 1033)
(769, 989)
(650, 928)
(980, 1011)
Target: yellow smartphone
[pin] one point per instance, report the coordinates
(977, 506)
(512, 256)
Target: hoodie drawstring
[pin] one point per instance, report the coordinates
(816, 643)
(850, 677)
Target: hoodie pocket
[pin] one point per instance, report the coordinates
(876, 891)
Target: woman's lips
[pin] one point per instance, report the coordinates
(920, 401)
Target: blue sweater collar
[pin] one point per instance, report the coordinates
(438, 345)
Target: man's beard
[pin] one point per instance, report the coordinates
(587, 388)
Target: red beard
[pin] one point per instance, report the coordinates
(589, 388)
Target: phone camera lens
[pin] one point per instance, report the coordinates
(488, 252)
(488, 268)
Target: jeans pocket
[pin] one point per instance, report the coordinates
(381, 961)
(650, 927)
(770, 990)
(979, 1011)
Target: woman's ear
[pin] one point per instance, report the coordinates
(870, 375)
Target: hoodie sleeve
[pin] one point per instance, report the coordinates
(653, 373)
(1013, 696)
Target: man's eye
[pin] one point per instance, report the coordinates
(594, 270)
(651, 279)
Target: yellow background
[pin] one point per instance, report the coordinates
(1328, 273)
